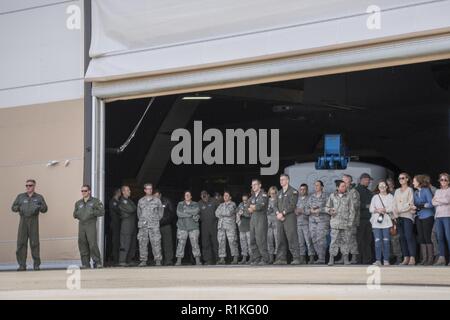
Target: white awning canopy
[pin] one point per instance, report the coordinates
(167, 40)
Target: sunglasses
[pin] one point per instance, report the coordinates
(442, 180)
(29, 185)
(402, 178)
(84, 191)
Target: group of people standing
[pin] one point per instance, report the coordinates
(264, 227)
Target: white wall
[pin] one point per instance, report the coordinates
(41, 59)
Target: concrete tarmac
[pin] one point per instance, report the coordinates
(230, 282)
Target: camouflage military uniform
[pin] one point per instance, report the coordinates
(341, 223)
(87, 213)
(319, 224)
(353, 244)
(304, 236)
(149, 212)
(28, 209)
(226, 229)
(188, 226)
(243, 222)
(258, 228)
(287, 229)
(272, 236)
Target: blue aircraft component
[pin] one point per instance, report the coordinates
(334, 156)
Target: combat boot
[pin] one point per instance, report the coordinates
(244, 260)
(354, 259)
(22, 268)
(321, 260)
(142, 264)
(235, 260)
(302, 260)
(262, 263)
(178, 263)
(346, 260)
(98, 265)
(440, 261)
(296, 261)
(121, 264)
(221, 261)
(311, 260)
(271, 259)
(280, 262)
(198, 262)
(158, 263)
(340, 261)
(331, 261)
(36, 268)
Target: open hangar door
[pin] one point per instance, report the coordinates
(396, 117)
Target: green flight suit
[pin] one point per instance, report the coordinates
(28, 209)
(87, 212)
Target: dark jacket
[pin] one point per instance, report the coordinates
(169, 216)
(365, 197)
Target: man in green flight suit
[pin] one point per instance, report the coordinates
(28, 205)
(87, 210)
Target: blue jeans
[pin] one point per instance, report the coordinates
(407, 238)
(442, 226)
(382, 239)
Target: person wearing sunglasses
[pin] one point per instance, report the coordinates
(381, 210)
(29, 204)
(441, 201)
(86, 211)
(404, 212)
(424, 218)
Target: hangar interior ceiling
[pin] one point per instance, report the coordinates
(396, 116)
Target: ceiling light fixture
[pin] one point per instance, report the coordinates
(196, 97)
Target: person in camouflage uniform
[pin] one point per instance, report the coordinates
(28, 205)
(226, 229)
(272, 236)
(287, 222)
(341, 207)
(127, 210)
(188, 213)
(258, 225)
(243, 222)
(319, 221)
(354, 194)
(304, 236)
(87, 210)
(149, 212)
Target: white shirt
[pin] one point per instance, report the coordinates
(377, 203)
